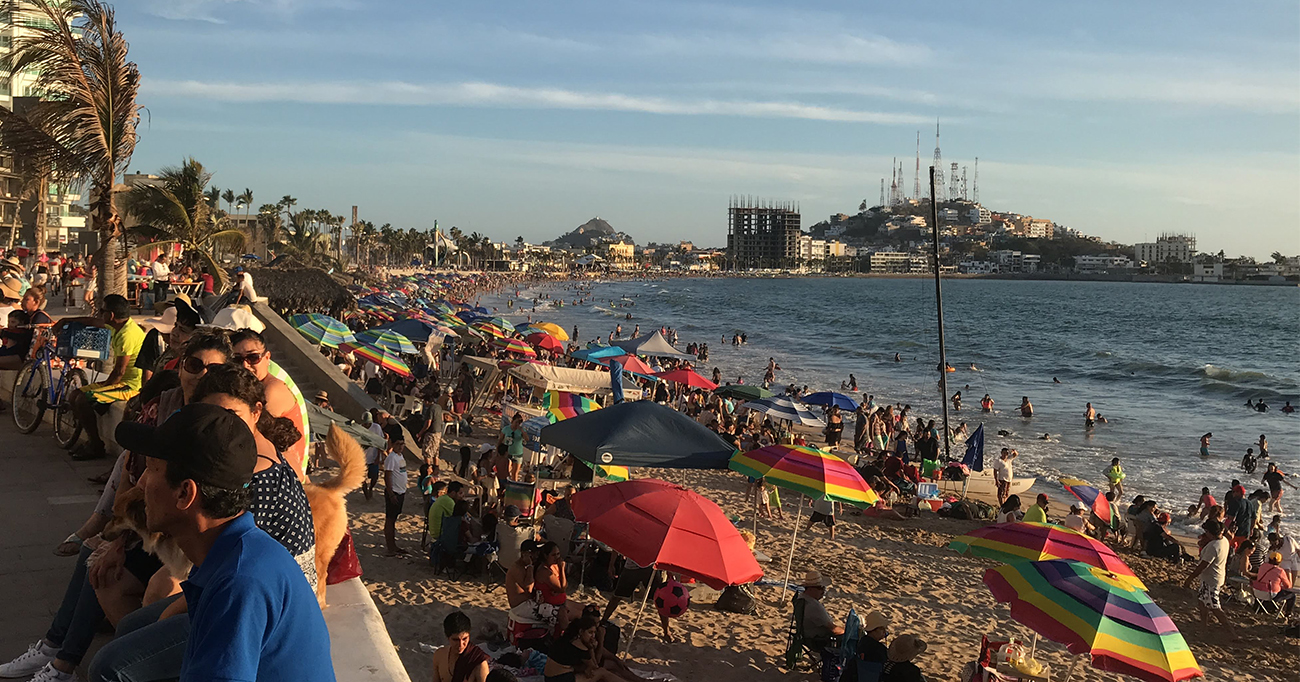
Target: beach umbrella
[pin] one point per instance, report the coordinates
(595, 353)
(416, 330)
(831, 398)
(500, 323)
(322, 329)
(379, 356)
(811, 472)
(639, 434)
(688, 377)
(660, 524)
(782, 408)
(631, 363)
(387, 339)
(1095, 612)
(545, 342)
(1091, 497)
(553, 329)
(742, 391)
(653, 343)
(515, 346)
(1026, 541)
(561, 405)
(613, 474)
(488, 331)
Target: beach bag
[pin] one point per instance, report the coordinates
(737, 599)
(344, 565)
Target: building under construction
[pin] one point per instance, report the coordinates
(762, 234)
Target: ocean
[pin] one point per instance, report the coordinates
(1163, 363)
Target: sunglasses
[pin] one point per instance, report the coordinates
(250, 358)
(194, 365)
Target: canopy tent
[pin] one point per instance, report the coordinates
(549, 378)
(653, 343)
(417, 331)
(639, 434)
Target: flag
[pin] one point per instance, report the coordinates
(974, 457)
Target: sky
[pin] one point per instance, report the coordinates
(522, 118)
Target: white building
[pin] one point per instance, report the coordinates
(1207, 272)
(811, 249)
(978, 215)
(977, 267)
(948, 215)
(1101, 263)
(1015, 261)
(1168, 247)
(1039, 229)
(890, 261)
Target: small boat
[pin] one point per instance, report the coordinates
(981, 486)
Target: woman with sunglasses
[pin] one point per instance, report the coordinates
(281, 399)
(151, 642)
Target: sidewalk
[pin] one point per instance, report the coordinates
(44, 496)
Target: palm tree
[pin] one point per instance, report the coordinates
(303, 238)
(175, 211)
(87, 129)
(214, 197)
(268, 223)
(228, 196)
(286, 203)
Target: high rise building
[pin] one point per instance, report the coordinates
(762, 234)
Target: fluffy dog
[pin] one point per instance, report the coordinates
(129, 515)
(329, 509)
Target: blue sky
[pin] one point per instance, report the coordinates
(1120, 119)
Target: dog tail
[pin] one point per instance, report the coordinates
(345, 450)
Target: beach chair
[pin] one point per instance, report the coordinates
(445, 554)
(560, 531)
(522, 495)
(799, 649)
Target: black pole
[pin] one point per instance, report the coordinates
(938, 302)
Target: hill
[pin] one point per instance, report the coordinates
(590, 233)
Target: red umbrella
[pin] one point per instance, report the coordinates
(631, 363)
(545, 342)
(656, 523)
(688, 377)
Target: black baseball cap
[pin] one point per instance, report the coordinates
(206, 443)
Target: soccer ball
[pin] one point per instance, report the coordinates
(672, 600)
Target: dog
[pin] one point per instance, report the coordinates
(129, 515)
(329, 509)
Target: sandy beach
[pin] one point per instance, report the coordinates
(900, 567)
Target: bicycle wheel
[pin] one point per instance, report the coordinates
(29, 397)
(66, 426)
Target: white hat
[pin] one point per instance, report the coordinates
(814, 578)
(165, 322)
(237, 317)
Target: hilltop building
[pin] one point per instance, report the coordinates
(1178, 248)
(762, 234)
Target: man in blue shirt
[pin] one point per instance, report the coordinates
(252, 616)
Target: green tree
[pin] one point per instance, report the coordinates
(86, 129)
(304, 240)
(175, 211)
(228, 196)
(269, 224)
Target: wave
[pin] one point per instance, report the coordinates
(1103, 354)
(1231, 375)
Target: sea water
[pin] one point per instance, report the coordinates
(1163, 363)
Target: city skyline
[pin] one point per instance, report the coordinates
(526, 120)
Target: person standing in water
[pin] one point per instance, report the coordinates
(987, 403)
(1089, 416)
(1205, 444)
(1026, 408)
(1263, 447)
(1115, 475)
(956, 401)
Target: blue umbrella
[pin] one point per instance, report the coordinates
(616, 380)
(831, 398)
(974, 457)
(594, 354)
(418, 331)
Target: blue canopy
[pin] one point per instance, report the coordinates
(640, 434)
(830, 398)
(417, 331)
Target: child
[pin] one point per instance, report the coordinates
(1206, 503)
(773, 503)
(1115, 474)
(761, 499)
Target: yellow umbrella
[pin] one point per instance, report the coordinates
(553, 329)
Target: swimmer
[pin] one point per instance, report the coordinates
(986, 404)
(1205, 444)
(1004, 432)
(1045, 436)
(898, 357)
(1026, 408)
(1089, 416)
(1263, 447)
(1055, 380)
(1287, 409)
(973, 368)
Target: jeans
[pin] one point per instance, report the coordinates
(146, 649)
(78, 616)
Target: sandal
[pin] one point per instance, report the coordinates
(69, 547)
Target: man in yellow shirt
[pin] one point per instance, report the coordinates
(123, 380)
(1038, 512)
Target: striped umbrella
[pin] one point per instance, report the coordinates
(689, 377)
(488, 331)
(1095, 612)
(322, 329)
(561, 405)
(379, 356)
(778, 407)
(387, 339)
(1026, 541)
(515, 346)
(1091, 497)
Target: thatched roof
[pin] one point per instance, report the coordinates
(300, 290)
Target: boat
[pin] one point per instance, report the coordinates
(981, 486)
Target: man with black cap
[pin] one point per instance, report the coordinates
(252, 616)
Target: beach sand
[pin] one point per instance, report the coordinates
(899, 567)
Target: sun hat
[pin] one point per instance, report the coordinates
(874, 620)
(905, 648)
(814, 578)
(322, 395)
(11, 287)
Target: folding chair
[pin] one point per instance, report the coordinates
(799, 649)
(560, 531)
(522, 495)
(446, 553)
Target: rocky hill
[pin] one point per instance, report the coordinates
(590, 233)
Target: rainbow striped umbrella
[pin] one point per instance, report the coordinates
(1096, 612)
(1019, 542)
(561, 405)
(387, 339)
(613, 473)
(488, 331)
(322, 329)
(515, 346)
(1091, 497)
(819, 475)
(379, 356)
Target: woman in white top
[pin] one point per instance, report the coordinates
(1010, 510)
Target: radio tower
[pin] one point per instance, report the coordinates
(893, 185)
(975, 185)
(938, 165)
(902, 185)
(882, 192)
(964, 195)
(953, 188)
(916, 182)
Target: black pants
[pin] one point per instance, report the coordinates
(160, 290)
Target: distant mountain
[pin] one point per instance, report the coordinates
(590, 233)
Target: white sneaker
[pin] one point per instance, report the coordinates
(38, 656)
(49, 674)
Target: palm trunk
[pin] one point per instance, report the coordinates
(111, 277)
(42, 221)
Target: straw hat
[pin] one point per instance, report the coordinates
(814, 578)
(322, 395)
(11, 287)
(874, 620)
(906, 648)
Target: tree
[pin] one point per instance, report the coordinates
(86, 129)
(286, 203)
(246, 199)
(304, 240)
(268, 223)
(228, 196)
(175, 211)
(214, 197)
(1278, 257)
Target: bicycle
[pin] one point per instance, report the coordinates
(36, 390)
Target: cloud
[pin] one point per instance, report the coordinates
(842, 49)
(208, 10)
(480, 94)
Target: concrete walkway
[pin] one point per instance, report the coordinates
(44, 496)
